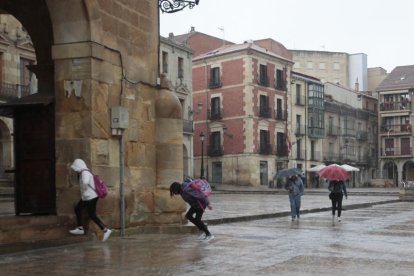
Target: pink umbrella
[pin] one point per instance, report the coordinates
(334, 172)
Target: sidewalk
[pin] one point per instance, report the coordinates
(235, 203)
(372, 239)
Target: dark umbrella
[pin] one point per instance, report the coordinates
(288, 172)
(334, 172)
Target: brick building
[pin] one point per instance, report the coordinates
(240, 99)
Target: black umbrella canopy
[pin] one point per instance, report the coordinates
(288, 172)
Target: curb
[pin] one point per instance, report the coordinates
(287, 213)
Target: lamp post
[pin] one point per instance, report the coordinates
(171, 6)
(202, 155)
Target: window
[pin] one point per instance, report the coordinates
(264, 110)
(298, 126)
(215, 77)
(322, 65)
(263, 75)
(309, 65)
(280, 80)
(296, 65)
(25, 73)
(279, 113)
(25, 77)
(299, 100)
(180, 68)
(299, 154)
(264, 142)
(281, 149)
(215, 112)
(164, 62)
(336, 66)
(215, 145)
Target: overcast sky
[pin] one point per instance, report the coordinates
(382, 29)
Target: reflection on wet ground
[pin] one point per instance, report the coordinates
(370, 241)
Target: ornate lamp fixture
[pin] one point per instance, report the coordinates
(170, 6)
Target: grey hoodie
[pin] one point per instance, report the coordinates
(86, 182)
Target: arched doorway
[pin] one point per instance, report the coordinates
(408, 171)
(390, 171)
(33, 115)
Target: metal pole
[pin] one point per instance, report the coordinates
(202, 159)
(121, 182)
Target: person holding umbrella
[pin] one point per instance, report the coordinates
(336, 176)
(338, 190)
(295, 187)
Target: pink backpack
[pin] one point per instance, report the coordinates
(101, 189)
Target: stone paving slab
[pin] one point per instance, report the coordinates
(369, 241)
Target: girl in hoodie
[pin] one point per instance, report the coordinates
(198, 202)
(88, 200)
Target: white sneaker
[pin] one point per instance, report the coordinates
(339, 219)
(209, 237)
(202, 237)
(77, 231)
(107, 234)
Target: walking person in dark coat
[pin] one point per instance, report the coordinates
(295, 187)
(198, 202)
(338, 190)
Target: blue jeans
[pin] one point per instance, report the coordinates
(294, 205)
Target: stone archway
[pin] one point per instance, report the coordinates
(408, 171)
(33, 116)
(390, 171)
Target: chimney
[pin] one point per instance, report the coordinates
(192, 29)
(357, 85)
(171, 35)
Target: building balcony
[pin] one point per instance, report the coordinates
(395, 129)
(349, 132)
(10, 91)
(263, 81)
(265, 112)
(214, 84)
(362, 135)
(391, 106)
(316, 132)
(396, 152)
(215, 114)
(265, 149)
(315, 156)
(300, 155)
(215, 150)
(333, 130)
(281, 115)
(300, 101)
(188, 126)
(330, 157)
(300, 130)
(282, 151)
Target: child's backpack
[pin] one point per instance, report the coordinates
(201, 185)
(101, 189)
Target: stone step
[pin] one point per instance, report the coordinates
(6, 192)
(38, 229)
(6, 182)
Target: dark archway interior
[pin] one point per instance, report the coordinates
(34, 135)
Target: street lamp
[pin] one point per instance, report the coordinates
(171, 6)
(202, 155)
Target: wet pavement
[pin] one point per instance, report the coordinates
(375, 237)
